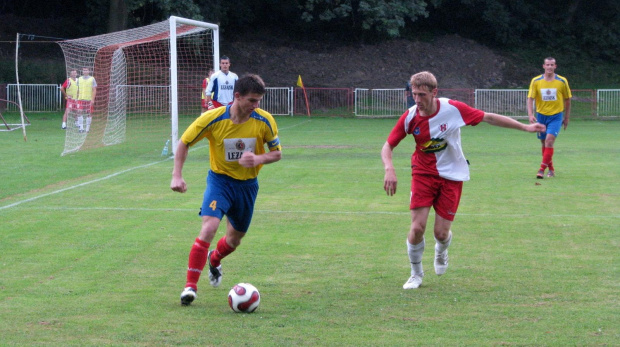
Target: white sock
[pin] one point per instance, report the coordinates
(88, 120)
(441, 246)
(415, 257)
(80, 122)
(64, 124)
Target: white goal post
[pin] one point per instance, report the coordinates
(135, 86)
(174, 82)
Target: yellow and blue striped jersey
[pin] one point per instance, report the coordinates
(549, 96)
(228, 141)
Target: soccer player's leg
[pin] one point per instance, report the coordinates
(214, 205)
(446, 205)
(198, 258)
(79, 123)
(421, 200)
(542, 119)
(225, 246)
(239, 217)
(415, 246)
(554, 125)
(89, 115)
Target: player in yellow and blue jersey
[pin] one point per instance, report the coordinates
(238, 135)
(552, 95)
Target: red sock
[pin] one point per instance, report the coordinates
(547, 158)
(197, 262)
(551, 162)
(222, 250)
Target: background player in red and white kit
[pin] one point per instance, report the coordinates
(438, 165)
(69, 90)
(221, 86)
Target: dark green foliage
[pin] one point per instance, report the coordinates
(576, 30)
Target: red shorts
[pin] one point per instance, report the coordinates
(443, 194)
(71, 104)
(216, 104)
(204, 104)
(85, 105)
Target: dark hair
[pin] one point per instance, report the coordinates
(224, 58)
(250, 84)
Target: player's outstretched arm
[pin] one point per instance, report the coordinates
(507, 122)
(177, 183)
(389, 180)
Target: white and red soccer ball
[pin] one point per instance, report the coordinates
(244, 297)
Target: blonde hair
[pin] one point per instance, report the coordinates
(424, 79)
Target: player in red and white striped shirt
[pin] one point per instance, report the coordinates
(438, 165)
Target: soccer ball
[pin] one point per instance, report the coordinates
(244, 297)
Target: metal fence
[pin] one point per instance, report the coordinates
(509, 102)
(608, 103)
(586, 103)
(278, 101)
(35, 97)
(379, 102)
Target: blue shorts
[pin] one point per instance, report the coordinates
(553, 124)
(231, 197)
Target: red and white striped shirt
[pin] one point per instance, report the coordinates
(438, 148)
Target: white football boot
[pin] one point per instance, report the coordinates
(414, 281)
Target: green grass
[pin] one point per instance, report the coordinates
(94, 245)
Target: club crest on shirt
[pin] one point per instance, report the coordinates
(434, 145)
(416, 131)
(227, 86)
(240, 145)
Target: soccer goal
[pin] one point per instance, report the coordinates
(147, 82)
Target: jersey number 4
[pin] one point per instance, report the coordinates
(213, 205)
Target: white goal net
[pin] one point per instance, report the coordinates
(143, 82)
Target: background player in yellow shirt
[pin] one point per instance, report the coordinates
(87, 90)
(552, 96)
(237, 134)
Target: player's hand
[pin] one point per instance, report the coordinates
(536, 127)
(249, 159)
(565, 123)
(532, 119)
(178, 185)
(390, 182)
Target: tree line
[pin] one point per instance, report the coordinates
(568, 25)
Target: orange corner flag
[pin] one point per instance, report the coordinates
(299, 82)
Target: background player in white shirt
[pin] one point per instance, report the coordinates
(438, 165)
(221, 86)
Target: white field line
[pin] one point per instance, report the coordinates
(108, 177)
(79, 185)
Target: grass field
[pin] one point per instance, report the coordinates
(94, 245)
